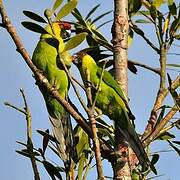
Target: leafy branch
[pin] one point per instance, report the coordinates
(29, 145)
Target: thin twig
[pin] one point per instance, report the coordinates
(29, 145)
(169, 127)
(177, 54)
(96, 145)
(29, 137)
(73, 85)
(81, 85)
(155, 70)
(14, 107)
(162, 92)
(44, 82)
(39, 76)
(161, 125)
(93, 125)
(141, 33)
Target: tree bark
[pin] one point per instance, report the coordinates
(120, 43)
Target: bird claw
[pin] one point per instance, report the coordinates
(90, 84)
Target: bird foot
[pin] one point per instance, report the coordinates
(90, 84)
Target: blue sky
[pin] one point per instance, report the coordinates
(15, 75)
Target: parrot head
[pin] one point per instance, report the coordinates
(60, 29)
(77, 58)
(65, 29)
(83, 58)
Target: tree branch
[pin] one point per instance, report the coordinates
(120, 30)
(39, 76)
(155, 70)
(141, 33)
(158, 103)
(44, 82)
(29, 144)
(161, 125)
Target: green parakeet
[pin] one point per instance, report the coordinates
(46, 59)
(112, 102)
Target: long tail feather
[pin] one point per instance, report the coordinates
(132, 138)
(58, 132)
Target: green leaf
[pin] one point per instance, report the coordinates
(92, 11)
(56, 4)
(174, 94)
(48, 135)
(174, 65)
(99, 35)
(166, 23)
(79, 17)
(101, 16)
(161, 115)
(66, 9)
(34, 16)
(165, 136)
(82, 140)
(138, 30)
(103, 24)
(134, 6)
(172, 7)
(169, 80)
(135, 174)
(132, 67)
(53, 42)
(52, 170)
(26, 154)
(175, 148)
(75, 41)
(81, 165)
(153, 12)
(155, 158)
(174, 26)
(153, 169)
(34, 27)
(144, 21)
(176, 142)
(106, 133)
(147, 13)
(158, 3)
(177, 36)
(45, 141)
(21, 143)
(130, 37)
(104, 44)
(54, 150)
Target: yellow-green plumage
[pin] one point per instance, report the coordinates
(113, 103)
(45, 57)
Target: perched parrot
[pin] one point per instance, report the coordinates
(111, 101)
(47, 60)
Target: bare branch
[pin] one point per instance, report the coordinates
(161, 125)
(44, 82)
(155, 70)
(159, 99)
(141, 33)
(14, 107)
(30, 146)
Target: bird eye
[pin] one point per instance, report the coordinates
(65, 33)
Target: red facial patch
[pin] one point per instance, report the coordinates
(65, 25)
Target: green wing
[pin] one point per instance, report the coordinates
(110, 81)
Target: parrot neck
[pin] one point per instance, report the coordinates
(54, 32)
(88, 61)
